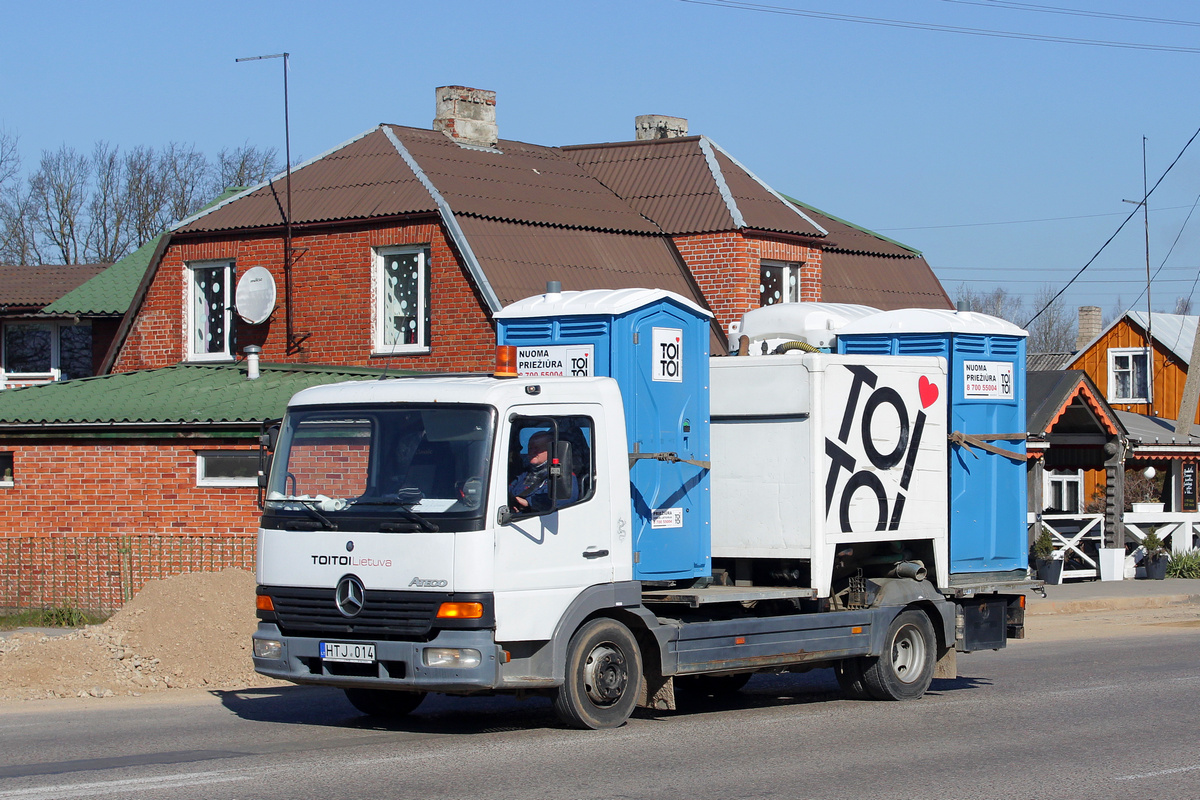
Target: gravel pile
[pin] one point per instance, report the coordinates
(187, 632)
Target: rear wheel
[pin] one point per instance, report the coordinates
(849, 673)
(603, 676)
(905, 669)
(384, 703)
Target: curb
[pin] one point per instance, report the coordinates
(1048, 607)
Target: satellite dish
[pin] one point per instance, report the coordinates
(255, 297)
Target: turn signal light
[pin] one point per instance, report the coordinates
(506, 361)
(460, 611)
(263, 603)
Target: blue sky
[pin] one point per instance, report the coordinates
(1004, 160)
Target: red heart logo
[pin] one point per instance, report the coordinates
(929, 392)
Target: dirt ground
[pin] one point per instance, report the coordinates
(187, 632)
(193, 632)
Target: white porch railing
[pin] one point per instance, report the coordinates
(1178, 529)
(1070, 532)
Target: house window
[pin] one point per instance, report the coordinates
(1063, 491)
(1127, 375)
(6, 469)
(227, 468)
(48, 350)
(401, 299)
(210, 317)
(779, 282)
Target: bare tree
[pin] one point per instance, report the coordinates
(108, 210)
(1183, 305)
(245, 166)
(184, 171)
(19, 244)
(60, 194)
(1054, 329)
(146, 194)
(997, 303)
(75, 208)
(10, 158)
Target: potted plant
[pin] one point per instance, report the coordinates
(1156, 558)
(1049, 568)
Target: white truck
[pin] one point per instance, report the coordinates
(695, 521)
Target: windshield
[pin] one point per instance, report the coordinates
(395, 468)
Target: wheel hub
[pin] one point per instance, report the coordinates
(606, 675)
(908, 654)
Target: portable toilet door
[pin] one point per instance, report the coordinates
(986, 364)
(655, 344)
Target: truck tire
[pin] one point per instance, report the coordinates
(383, 702)
(905, 669)
(849, 673)
(603, 676)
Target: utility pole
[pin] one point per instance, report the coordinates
(1149, 318)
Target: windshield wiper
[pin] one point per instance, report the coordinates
(404, 498)
(311, 508)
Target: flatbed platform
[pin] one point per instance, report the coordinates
(725, 594)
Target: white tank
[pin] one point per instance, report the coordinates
(816, 324)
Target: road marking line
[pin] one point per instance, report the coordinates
(95, 788)
(1141, 775)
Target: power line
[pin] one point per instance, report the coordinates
(1017, 221)
(926, 26)
(1145, 199)
(1074, 12)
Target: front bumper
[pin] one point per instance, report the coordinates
(397, 665)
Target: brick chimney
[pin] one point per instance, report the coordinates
(466, 115)
(1090, 323)
(656, 126)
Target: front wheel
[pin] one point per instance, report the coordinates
(603, 676)
(905, 669)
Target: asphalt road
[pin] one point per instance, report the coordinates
(1071, 718)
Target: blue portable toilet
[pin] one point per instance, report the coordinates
(986, 360)
(656, 345)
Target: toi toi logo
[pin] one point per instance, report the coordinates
(848, 474)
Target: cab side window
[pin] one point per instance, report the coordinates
(550, 463)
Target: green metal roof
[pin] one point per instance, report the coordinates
(187, 394)
(110, 292)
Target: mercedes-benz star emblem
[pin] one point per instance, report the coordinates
(349, 596)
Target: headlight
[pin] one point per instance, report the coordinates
(268, 648)
(461, 657)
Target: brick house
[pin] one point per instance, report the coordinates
(405, 241)
(400, 245)
(38, 343)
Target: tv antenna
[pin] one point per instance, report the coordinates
(294, 340)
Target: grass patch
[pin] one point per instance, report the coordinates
(64, 616)
(1184, 565)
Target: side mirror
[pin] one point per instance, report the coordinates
(504, 515)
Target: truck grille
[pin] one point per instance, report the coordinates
(385, 615)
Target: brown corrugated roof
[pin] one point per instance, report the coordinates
(520, 258)
(885, 282)
(520, 183)
(671, 181)
(30, 288)
(760, 208)
(667, 180)
(363, 179)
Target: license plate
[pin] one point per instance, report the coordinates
(348, 651)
